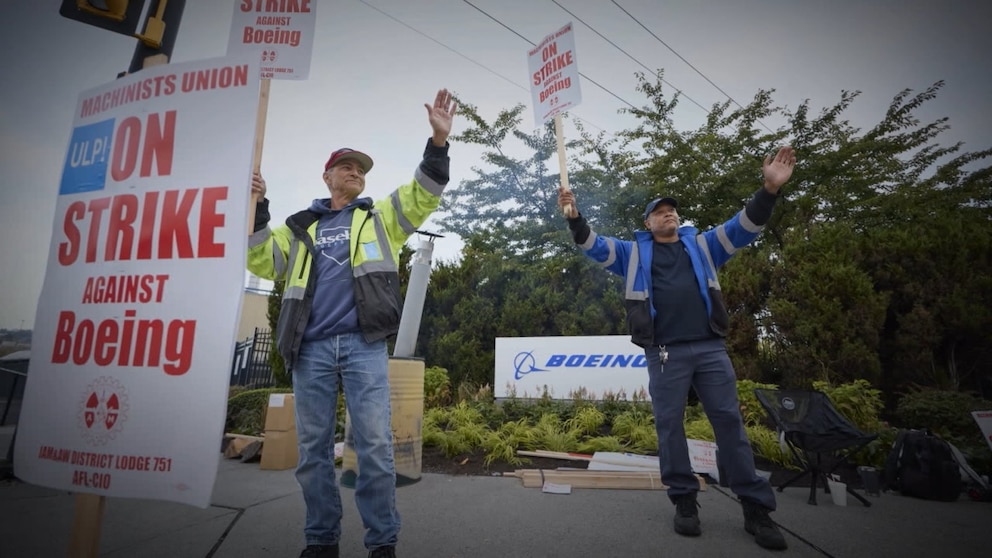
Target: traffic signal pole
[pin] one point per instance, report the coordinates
(155, 44)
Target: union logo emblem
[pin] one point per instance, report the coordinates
(103, 410)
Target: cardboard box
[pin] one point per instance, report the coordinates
(280, 415)
(279, 451)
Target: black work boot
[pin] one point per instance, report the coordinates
(758, 523)
(383, 552)
(686, 515)
(320, 551)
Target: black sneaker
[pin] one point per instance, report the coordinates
(383, 552)
(320, 551)
(686, 516)
(758, 523)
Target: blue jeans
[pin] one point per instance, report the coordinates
(362, 369)
(705, 366)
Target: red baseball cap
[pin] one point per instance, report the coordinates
(347, 153)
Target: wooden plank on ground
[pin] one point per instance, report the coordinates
(556, 455)
(618, 480)
(624, 460)
(244, 437)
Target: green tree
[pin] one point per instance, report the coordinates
(876, 263)
(513, 200)
(279, 372)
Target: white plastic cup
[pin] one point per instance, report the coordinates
(838, 492)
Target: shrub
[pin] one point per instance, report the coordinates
(751, 411)
(857, 401)
(948, 414)
(766, 445)
(552, 434)
(700, 429)
(602, 443)
(502, 445)
(587, 419)
(437, 387)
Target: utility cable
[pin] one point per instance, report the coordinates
(622, 9)
(477, 63)
(508, 28)
(655, 73)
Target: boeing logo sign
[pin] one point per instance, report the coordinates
(593, 365)
(525, 363)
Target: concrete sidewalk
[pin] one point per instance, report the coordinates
(260, 513)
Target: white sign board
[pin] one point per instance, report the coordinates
(702, 456)
(554, 75)
(278, 33)
(127, 387)
(593, 365)
(984, 420)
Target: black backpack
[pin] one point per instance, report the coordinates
(922, 465)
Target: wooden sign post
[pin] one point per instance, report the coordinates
(256, 160)
(562, 166)
(87, 523)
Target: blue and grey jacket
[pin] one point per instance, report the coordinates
(707, 250)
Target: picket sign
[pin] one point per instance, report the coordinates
(984, 420)
(280, 35)
(555, 85)
(101, 465)
(148, 203)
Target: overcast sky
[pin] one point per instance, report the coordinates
(375, 63)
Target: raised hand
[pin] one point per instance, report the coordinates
(440, 116)
(778, 168)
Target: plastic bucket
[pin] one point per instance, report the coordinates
(406, 403)
(870, 480)
(838, 492)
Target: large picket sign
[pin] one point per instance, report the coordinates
(133, 339)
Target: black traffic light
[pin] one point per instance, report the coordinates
(119, 16)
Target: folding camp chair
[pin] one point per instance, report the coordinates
(820, 438)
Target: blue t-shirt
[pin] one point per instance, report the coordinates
(334, 311)
(680, 311)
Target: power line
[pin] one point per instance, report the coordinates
(425, 35)
(681, 58)
(477, 63)
(508, 28)
(663, 80)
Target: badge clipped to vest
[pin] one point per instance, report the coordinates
(371, 250)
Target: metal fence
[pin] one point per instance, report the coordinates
(12, 380)
(251, 366)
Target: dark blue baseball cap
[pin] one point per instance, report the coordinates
(657, 201)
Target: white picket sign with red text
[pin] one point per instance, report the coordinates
(279, 33)
(554, 75)
(133, 341)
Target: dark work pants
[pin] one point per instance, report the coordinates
(705, 366)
